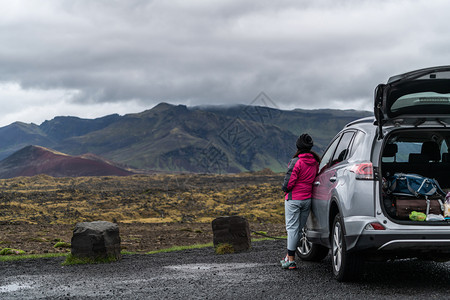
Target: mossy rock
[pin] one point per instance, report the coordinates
(10, 251)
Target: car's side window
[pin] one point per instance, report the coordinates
(342, 149)
(328, 154)
(357, 141)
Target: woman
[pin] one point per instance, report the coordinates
(297, 185)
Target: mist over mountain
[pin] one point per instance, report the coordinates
(212, 139)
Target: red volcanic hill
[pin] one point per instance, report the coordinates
(34, 160)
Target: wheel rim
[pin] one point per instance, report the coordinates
(337, 247)
(304, 245)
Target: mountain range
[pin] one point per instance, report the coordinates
(206, 139)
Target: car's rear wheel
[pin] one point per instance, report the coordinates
(309, 251)
(346, 266)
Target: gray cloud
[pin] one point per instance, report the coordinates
(306, 54)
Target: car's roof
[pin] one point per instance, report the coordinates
(368, 121)
(366, 125)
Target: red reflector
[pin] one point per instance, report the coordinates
(363, 171)
(377, 226)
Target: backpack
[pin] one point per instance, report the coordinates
(414, 185)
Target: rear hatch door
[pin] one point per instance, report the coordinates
(422, 94)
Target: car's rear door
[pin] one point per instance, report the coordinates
(418, 95)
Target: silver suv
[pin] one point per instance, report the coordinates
(353, 213)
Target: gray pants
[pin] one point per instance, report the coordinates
(296, 212)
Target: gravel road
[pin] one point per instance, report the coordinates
(200, 274)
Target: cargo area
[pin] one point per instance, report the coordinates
(410, 152)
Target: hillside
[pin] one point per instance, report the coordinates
(34, 160)
(188, 139)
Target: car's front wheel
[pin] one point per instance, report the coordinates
(346, 266)
(309, 251)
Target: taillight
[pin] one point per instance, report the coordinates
(374, 226)
(363, 171)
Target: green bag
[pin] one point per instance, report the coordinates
(417, 216)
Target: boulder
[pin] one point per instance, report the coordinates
(233, 230)
(97, 240)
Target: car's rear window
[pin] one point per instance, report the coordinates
(425, 95)
(420, 99)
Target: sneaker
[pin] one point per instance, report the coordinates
(285, 259)
(290, 265)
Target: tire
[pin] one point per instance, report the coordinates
(308, 251)
(346, 266)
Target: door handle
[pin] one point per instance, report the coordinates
(317, 183)
(333, 178)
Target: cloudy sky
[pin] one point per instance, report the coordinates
(90, 58)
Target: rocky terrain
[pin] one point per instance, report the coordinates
(153, 211)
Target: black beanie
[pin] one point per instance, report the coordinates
(305, 142)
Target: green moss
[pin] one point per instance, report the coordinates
(224, 248)
(10, 251)
(62, 245)
(74, 260)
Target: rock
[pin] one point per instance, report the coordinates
(233, 230)
(98, 239)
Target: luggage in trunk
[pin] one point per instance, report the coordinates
(405, 205)
(409, 192)
(414, 185)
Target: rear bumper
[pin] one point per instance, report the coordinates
(407, 245)
(408, 238)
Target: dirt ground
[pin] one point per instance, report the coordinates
(136, 237)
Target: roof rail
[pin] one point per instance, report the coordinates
(363, 120)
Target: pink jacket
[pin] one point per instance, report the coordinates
(300, 176)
